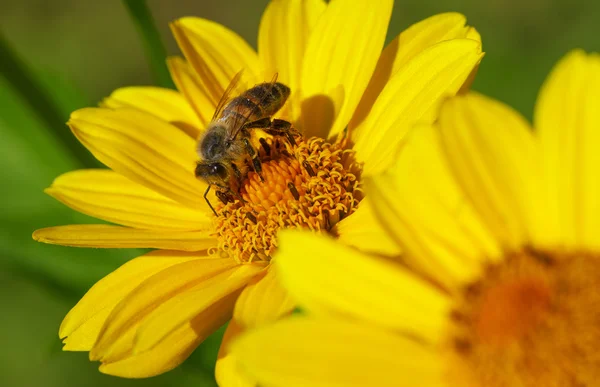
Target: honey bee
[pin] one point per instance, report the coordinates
(225, 148)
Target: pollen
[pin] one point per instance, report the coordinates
(533, 320)
(310, 184)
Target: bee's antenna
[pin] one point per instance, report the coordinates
(208, 201)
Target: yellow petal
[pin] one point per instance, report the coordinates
(168, 354)
(116, 339)
(421, 206)
(115, 237)
(282, 39)
(227, 369)
(144, 149)
(105, 194)
(567, 119)
(81, 326)
(345, 281)
(318, 352)
(263, 300)
(228, 374)
(473, 34)
(177, 311)
(165, 104)
(340, 58)
(491, 151)
(406, 46)
(216, 53)
(363, 231)
(412, 96)
(190, 85)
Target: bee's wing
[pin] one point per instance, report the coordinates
(240, 122)
(226, 94)
(274, 79)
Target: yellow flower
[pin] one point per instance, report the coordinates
(149, 315)
(499, 226)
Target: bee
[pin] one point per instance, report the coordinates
(225, 148)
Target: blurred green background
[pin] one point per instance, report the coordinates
(80, 51)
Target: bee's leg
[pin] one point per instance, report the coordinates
(254, 154)
(275, 126)
(208, 201)
(237, 173)
(263, 123)
(252, 218)
(308, 168)
(224, 197)
(229, 195)
(282, 127)
(265, 145)
(237, 195)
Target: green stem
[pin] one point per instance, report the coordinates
(40, 100)
(142, 17)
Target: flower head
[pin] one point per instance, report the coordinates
(498, 281)
(351, 104)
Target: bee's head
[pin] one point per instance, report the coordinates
(212, 173)
(213, 144)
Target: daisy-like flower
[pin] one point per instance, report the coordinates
(499, 225)
(149, 315)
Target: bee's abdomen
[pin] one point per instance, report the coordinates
(270, 97)
(262, 100)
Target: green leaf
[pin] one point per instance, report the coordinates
(41, 101)
(142, 18)
(31, 354)
(204, 358)
(31, 158)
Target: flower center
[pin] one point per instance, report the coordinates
(311, 184)
(533, 320)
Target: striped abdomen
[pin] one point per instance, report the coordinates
(261, 101)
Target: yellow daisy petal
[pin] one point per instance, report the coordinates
(282, 39)
(177, 311)
(410, 97)
(344, 47)
(351, 283)
(144, 149)
(473, 34)
(406, 46)
(479, 135)
(165, 104)
(424, 210)
(190, 85)
(567, 119)
(263, 300)
(106, 195)
(216, 53)
(228, 374)
(81, 326)
(115, 237)
(116, 339)
(168, 354)
(363, 231)
(227, 369)
(307, 352)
